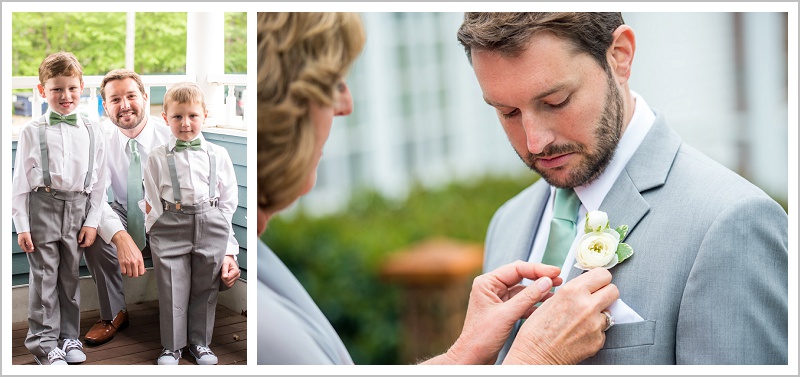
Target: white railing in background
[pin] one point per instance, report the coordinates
(92, 83)
(231, 120)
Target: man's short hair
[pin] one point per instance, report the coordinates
(120, 74)
(510, 33)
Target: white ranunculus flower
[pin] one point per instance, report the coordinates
(597, 249)
(596, 221)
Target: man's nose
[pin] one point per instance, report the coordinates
(538, 135)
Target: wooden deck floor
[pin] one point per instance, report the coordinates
(139, 343)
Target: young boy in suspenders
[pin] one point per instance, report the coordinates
(57, 190)
(190, 195)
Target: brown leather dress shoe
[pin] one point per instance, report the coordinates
(104, 330)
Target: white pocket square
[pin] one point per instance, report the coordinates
(623, 313)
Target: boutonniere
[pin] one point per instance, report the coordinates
(600, 246)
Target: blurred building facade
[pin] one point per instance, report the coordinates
(720, 79)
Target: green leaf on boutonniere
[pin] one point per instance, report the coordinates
(624, 251)
(622, 230)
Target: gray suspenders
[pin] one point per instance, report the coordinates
(46, 157)
(176, 187)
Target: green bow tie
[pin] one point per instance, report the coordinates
(69, 119)
(180, 145)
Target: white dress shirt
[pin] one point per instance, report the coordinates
(68, 152)
(592, 195)
(192, 168)
(118, 161)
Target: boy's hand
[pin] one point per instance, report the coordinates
(230, 271)
(86, 236)
(24, 241)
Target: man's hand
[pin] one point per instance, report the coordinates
(496, 302)
(568, 327)
(230, 271)
(24, 241)
(87, 236)
(128, 254)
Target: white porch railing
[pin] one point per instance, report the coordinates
(229, 119)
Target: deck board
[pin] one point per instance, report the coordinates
(139, 344)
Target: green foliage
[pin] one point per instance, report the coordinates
(337, 258)
(98, 40)
(624, 251)
(622, 230)
(160, 43)
(236, 42)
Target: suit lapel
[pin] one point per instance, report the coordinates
(647, 169)
(530, 224)
(518, 226)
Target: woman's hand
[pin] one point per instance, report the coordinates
(570, 326)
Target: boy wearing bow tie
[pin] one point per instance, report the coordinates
(57, 189)
(190, 198)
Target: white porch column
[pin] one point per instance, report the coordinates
(130, 40)
(385, 121)
(205, 55)
(767, 111)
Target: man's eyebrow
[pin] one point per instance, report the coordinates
(538, 97)
(550, 91)
(126, 93)
(493, 104)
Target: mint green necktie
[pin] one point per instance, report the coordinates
(180, 145)
(69, 119)
(562, 227)
(135, 215)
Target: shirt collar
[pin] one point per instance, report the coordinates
(593, 194)
(144, 138)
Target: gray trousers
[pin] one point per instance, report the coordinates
(101, 259)
(188, 247)
(54, 294)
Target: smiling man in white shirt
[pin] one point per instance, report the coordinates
(125, 101)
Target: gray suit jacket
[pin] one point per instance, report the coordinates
(709, 272)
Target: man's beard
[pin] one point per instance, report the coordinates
(607, 135)
(138, 117)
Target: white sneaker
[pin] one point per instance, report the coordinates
(169, 357)
(74, 351)
(203, 355)
(55, 357)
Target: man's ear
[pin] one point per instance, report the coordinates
(41, 90)
(620, 54)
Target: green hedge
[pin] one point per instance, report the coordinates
(337, 258)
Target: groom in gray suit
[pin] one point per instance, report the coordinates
(707, 283)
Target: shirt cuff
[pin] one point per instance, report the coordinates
(232, 250)
(109, 228)
(93, 218)
(22, 224)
